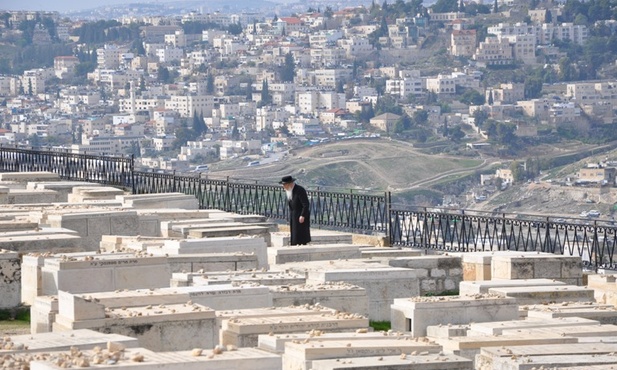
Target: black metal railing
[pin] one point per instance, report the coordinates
(349, 211)
(472, 231)
(436, 229)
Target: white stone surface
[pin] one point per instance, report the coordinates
(159, 200)
(300, 356)
(382, 285)
(545, 294)
(91, 226)
(415, 314)
(241, 358)
(104, 272)
(281, 239)
(483, 286)
(231, 244)
(313, 252)
(10, 279)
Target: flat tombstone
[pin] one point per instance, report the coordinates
(416, 314)
(10, 279)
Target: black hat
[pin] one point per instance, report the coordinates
(287, 180)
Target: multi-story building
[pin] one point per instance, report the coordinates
(494, 51)
(463, 42)
(189, 105)
(507, 93)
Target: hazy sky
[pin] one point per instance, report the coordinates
(59, 5)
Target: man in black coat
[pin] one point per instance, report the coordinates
(299, 211)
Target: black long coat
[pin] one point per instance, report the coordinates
(299, 205)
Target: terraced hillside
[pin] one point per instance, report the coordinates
(368, 164)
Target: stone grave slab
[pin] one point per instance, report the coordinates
(446, 331)
(487, 356)
(384, 254)
(231, 244)
(104, 272)
(178, 228)
(282, 239)
(25, 177)
(183, 231)
(208, 262)
(568, 269)
(416, 314)
(607, 330)
(426, 361)
(124, 243)
(91, 226)
(14, 225)
(554, 361)
(469, 347)
(483, 286)
(338, 295)
(63, 188)
(497, 327)
(222, 316)
(86, 193)
(142, 358)
(300, 355)
(382, 285)
(239, 230)
(10, 279)
(41, 240)
(276, 343)
(603, 313)
(159, 200)
(545, 294)
(166, 327)
(436, 274)
(244, 332)
(267, 278)
(604, 286)
(43, 314)
(26, 196)
(313, 252)
(62, 341)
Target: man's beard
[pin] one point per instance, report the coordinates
(289, 193)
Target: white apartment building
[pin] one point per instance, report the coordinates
(188, 105)
(403, 87)
(331, 77)
(193, 149)
(356, 46)
(109, 56)
(33, 81)
(507, 93)
(494, 51)
(162, 143)
(302, 126)
(441, 84)
(523, 47)
(169, 54)
(591, 92)
(322, 39)
(109, 145)
(463, 42)
(563, 112)
(140, 104)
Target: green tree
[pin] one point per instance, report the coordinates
(163, 75)
(266, 97)
(210, 84)
(472, 97)
(288, 72)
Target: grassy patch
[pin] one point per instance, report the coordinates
(380, 325)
